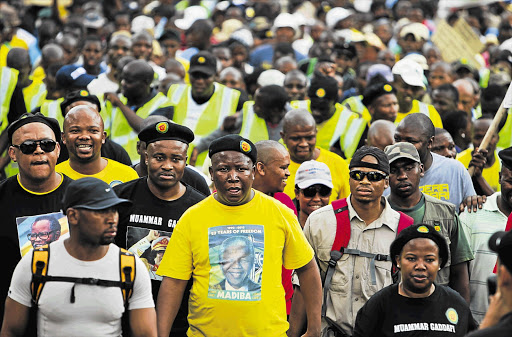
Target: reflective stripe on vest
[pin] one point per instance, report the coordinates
(334, 128)
(253, 126)
(8, 81)
(352, 136)
(424, 108)
(52, 109)
(300, 104)
(123, 134)
(35, 97)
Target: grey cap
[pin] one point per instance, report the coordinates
(402, 150)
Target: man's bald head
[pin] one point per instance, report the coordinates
(266, 150)
(18, 58)
(78, 113)
(51, 53)
(463, 85)
(418, 123)
(140, 69)
(298, 117)
(381, 134)
(237, 74)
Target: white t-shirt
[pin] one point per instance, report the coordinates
(97, 310)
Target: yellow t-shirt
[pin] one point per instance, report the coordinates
(339, 174)
(113, 174)
(266, 235)
(432, 113)
(491, 174)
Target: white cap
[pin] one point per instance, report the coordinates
(418, 58)
(190, 15)
(244, 36)
(335, 15)
(418, 30)
(313, 172)
(141, 23)
(270, 77)
(410, 71)
(285, 20)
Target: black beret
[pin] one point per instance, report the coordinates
(166, 131)
(79, 95)
(345, 49)
(382, 159)
(419, 231)
(506, 157)
(34, 118)
(373, 92)
(234, 143)
(323, 87)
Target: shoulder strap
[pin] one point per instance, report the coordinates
(40, 258)
(508, 226)
(340, 208)
(127, 273)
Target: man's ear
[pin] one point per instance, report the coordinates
(430, 143)
(12, 153)
(260, 167)
(422, 170)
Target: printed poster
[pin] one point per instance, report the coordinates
(236, 260)
(149, 245)
(38, 230)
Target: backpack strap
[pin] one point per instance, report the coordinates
(404, 222)
(507, 228)
(127, 273)
(40, 258)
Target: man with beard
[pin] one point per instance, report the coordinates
(479, 226)
(89, 262)
(84, 136)
(159, 200)
(406, 171)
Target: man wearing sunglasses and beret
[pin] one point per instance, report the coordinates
(36, 190)
(360, 272)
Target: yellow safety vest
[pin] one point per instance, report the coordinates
(34, 95)
(253, 126)
(351, 138)
(223, 103)
(120, 130)
(355, 104)
(425, 109)
(506, 132)
(304, 104)
(331, 130)
(51, 108)
(8, 81)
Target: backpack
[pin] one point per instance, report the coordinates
(41, 257)
(341, 240)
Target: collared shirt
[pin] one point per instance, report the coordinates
(351, 285)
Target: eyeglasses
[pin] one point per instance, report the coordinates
(372, 176)
(199, 75)
(29, 146)
(41, 235)
(311, 191)
(291, 86)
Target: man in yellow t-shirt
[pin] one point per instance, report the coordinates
(487, 164)
(408, 82)
(233, 244)
(299, 135)
(83, 136)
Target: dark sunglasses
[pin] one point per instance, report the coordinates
(291, 86)
(29, 146)
(311, 191)
(199, 75)
(372, 176)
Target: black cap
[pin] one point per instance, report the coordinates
(166, 131)
(234, 143)
(419, 231)
(323, 87)
(203, 62)
(90, 193)
(373, 92)
(35, 118)
(506, 157)
(501, 243)
(170, 34)
(79, 95)
(345, 49)
(382, 159)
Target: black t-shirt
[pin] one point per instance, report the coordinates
(17, 203)
(502, 329)
(444, 313)
(194, 179)
(145, 229)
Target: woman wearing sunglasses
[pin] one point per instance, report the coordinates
(313, 187)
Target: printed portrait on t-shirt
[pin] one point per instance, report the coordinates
(149, 245)
(38, 230)
(236, 260)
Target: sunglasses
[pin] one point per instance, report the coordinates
(291, 86)
(29, 146)
(311, 191)
(372, 176)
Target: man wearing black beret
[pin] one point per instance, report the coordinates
(159, 200)
(36, 190)
(233, 246)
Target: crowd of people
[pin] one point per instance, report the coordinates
(256, 168)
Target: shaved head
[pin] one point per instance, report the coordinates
(418, 123)
(17, 58)
(381, 134)
(267, 148)
(78, 112)
(296, 117)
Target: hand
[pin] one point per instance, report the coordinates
(153, 235)
(478, 161)
(112, 98)
(327, 69)
(475, 201)
(311, 334)
(497, 308)
(193, 157)
(229, 123)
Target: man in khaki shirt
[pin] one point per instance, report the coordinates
(373, 227)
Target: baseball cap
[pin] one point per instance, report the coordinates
(418, 30)
(203, 62)
(506, 157)
(418, 58)
(379, 69)
(335, 15)
(382, 159)
(285, 20)
(345, 49)
(142, 22)
(234, 143)
(79, 95)
(190, 15)
(410, 71)
(313, 172)
(92, 194)
(501, 243)
(402, 150)
(271, 77)
(423, 231)
(166, 131)
(73, 76)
